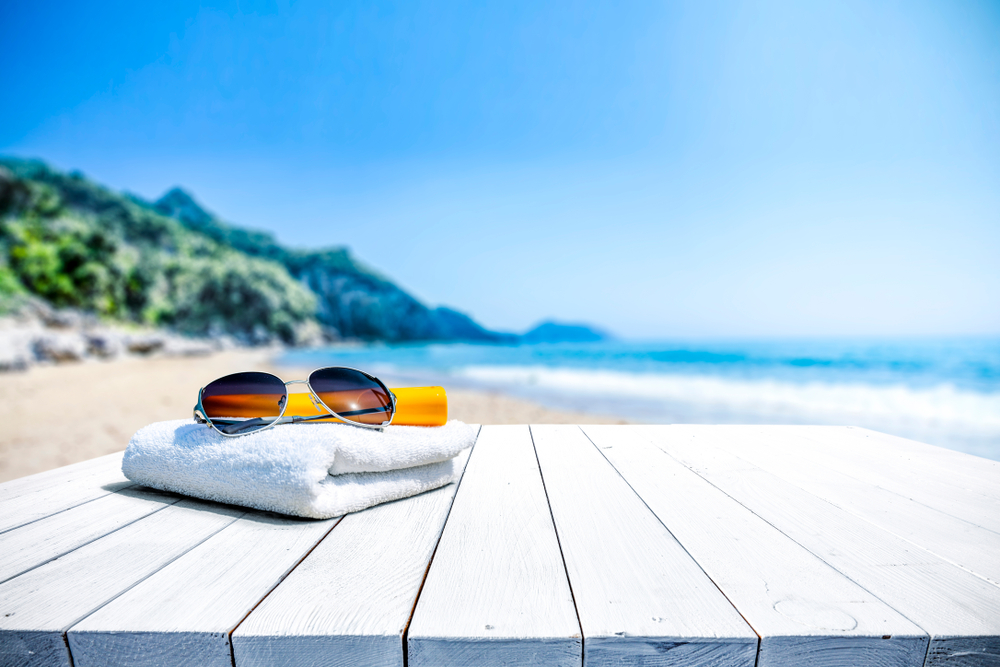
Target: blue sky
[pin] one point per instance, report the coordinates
(659, 169)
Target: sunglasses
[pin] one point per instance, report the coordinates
(245, 403)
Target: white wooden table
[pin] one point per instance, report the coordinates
(562, 545)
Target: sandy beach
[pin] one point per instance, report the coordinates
(57, 415)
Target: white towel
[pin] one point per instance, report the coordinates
(312, 470)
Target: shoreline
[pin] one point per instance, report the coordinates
(59, 414)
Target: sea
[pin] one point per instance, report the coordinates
(942, 391)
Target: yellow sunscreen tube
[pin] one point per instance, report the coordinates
(415, 406)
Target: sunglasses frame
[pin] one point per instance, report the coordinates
(201, 418)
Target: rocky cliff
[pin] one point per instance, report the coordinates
(76, 244)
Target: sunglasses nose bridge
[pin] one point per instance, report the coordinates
(317, 403)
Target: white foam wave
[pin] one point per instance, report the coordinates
(941, 407)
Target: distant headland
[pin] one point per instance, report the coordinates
(556, 332)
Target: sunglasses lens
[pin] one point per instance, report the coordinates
(243, 402)
(352, 395)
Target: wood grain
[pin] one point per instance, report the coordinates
(54, 477)
(349, 601)
(640, 597)
(183, 614)
(964, 471)
(803, 609)
(960, 611)
(929, 475)
(862, 455)
(497, 593)
(805, 463)
(37, 607)
(62, 491)
(41, 541)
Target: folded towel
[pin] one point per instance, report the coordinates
(311, 470)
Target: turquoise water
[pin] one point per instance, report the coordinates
(941, 391)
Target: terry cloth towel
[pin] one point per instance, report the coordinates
(311, 470)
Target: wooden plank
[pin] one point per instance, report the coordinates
(32, 545)
(908, 459)
(960, 612)
(803, 610)
(16, 487)
(184, 614)
(867, 465)
(64, 492)
(38, 607)
(497, 593)
(349, 601)
(949, 465)
(789, 456)
(639, 596)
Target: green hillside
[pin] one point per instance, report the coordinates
(171, 263)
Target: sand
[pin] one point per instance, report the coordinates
(52, 416)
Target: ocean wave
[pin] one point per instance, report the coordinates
(939, 407)
(942, 392)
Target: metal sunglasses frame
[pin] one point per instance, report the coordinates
(201, 418)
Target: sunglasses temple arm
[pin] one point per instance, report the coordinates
(236, 427)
